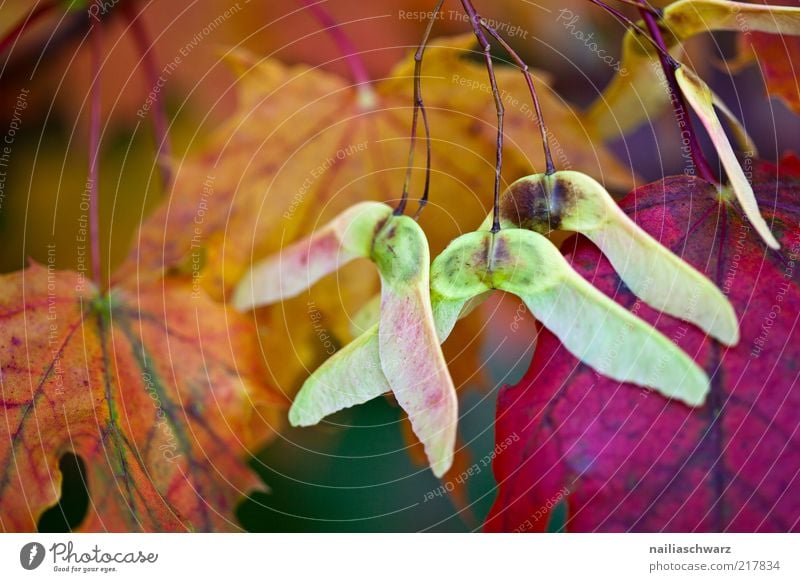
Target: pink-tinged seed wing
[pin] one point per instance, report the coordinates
(410, 354)
(297, 267)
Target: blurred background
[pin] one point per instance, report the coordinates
(326, 478)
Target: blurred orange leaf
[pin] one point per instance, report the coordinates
(778, 57)
(157, 388)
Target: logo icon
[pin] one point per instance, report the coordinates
(31, 555)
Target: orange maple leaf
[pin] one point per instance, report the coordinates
(157, 388)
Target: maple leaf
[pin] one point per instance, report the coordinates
(157, 388)
(638, 91)
(623, 459)
(304, 145)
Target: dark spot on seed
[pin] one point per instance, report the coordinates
(538, 203)
(500, 249)
(378, 227)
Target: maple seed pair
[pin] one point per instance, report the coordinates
(406, 354)
(595, 329)
(401, 352)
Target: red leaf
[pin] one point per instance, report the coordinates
(628, 460)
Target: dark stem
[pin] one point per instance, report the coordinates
(40, 10)
(475, 20)
(357, 68)
(160, 120)
(548, 157)
(678, 100)
(94, 151)
(622, 18)
(419, 106)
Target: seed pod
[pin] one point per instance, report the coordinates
(573, 201)
(591, 326)
(701, 100)
(403, 348)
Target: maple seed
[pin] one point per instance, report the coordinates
(410, 354)
(701, 100)
(575, 202)
(405, 348)
(591, 326)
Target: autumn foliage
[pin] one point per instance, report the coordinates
(315, 253)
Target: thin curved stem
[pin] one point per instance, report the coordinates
(475, 20)
(419, 107)
(679, 101)
(625, 21)
(94, 152)
(548, 157)
(160, 120)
